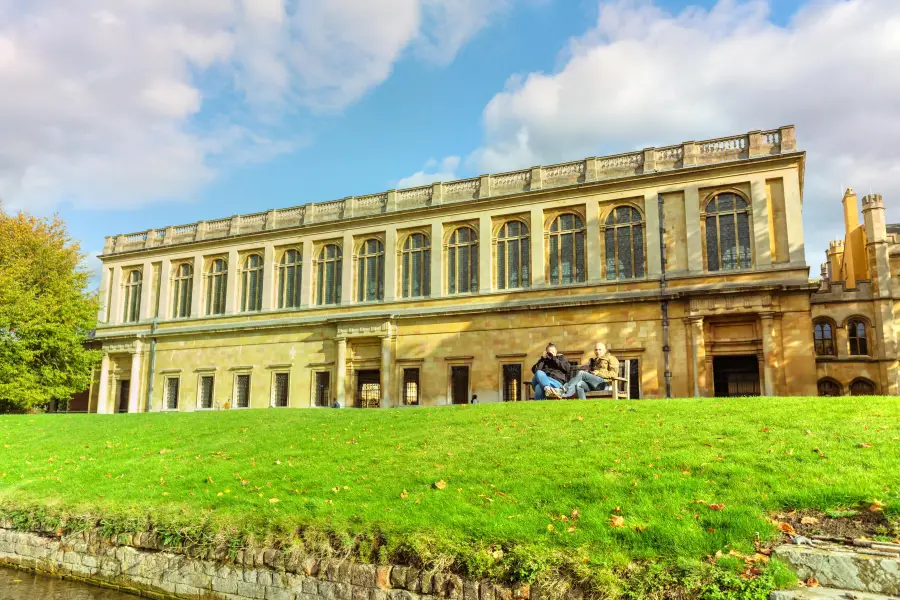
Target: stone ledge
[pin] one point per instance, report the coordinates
(843, 568)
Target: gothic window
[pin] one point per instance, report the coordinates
(216, 284)
(133, 284)
(727, 233)
(567, 250)
(624, 244)
(252, 283)
(823, 337)
(513, 258)
(415, 266)
(328, 267)
(856, 333)
(290, 271)
(182, 288)
(862, 387)
(462, 261)
(370, 272)
(829, 387)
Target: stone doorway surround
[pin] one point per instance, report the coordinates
(357, 332)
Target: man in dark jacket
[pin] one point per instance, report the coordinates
(550, 371)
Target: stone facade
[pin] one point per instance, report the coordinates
(464, 327)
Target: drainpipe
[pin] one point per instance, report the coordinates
(152, 363)
(664, 302)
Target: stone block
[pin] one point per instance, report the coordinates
(470, 590)
(454, 587)
(311, 566)
(378, 594)
(424, 583)
(265, 577)
(277, 593)
(311, 587)
(841, 568)
(251, 590)
(398, 577)
(358, 592)
(362, 575)
(224, 585)
(271, 558)
(89, 561)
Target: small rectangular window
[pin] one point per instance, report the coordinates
(512, 383)
(635, 379)
(172, 393)
(242, 391)
(459, 385)
(206, 391)
(280, 391)
(323, 388)
(410, 387)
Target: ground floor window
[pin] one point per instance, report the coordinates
(171, 399)
(634, 379)
(459, 385)
(242, 391)
(410, 387)
(862, 387)
(512, 383)
(280, 388)
(206, 391)
(124, 393)
(829, 387)
(368, 389)
(736, 376)
(323, 388)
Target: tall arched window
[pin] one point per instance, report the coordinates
(513, 256)
(370, 272)
(462, 261)
(567, 250)
(823, 337)
(133, 284)
(216, 284)
(862, 387)
(289, 273)
(415, 266)
(252, 283)
(624, 244)
(328, 271)
(182, 288)
(727, 233)
(856, 334)
(829, 387)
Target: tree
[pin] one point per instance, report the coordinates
(46, 313)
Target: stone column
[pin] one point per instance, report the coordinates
(306, 275)
(485, 251)
(759, 207)
(390, 264)
(341, 368)
(103, 313)
(692, 227)
(103, 387)
(114, 315)
(134, 384)
(268, 276)
(651, 234)
(770, 359)
(698, 358)
(437, 256)
(347, 266)
(592, 243)
(538, 276)
(793, 213)
(386, 371)
(231, 282)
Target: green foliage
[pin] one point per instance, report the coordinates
(46, 313)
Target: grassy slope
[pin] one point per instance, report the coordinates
(509, 469)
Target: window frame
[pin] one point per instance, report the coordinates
(212, 392)
(252, 292)
(579, 229)
(705, 215)
(616, 227)
(274, 388)
(235, 390)
(320, 264)
(403, 385)
(315, 388)
(453, 261)
(822, 322)
(866, 381)
(282, 279)
(361, 262)
(405, 264)
(216, 293)
(185, 285)
(131, 296)
(453, 364)
(831, 380)
(165, 400)
(522, 383)
(850, 321)
(501, 251)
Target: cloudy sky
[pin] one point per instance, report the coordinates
(128, 114)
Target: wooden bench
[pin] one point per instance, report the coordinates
(620, 388)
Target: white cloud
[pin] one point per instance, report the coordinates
(644, 77)
(127, 103)
(432, 172)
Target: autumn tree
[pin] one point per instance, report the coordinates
(46, 313)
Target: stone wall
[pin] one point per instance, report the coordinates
(139, 564)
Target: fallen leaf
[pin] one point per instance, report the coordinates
(575, 513)
(786, 528)
(716, 506)
(617, 521)
(812, 582)
(865, 445)
(404, 494)
(273, 500)
(550, 527)
(809, 520)
(876, 506)
(440, 484)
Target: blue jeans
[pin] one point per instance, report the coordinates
(540, 381)
(584, 381)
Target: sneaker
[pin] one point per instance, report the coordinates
(552, 392)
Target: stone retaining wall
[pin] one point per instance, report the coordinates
(139, 564)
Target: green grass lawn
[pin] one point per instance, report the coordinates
(488, 488)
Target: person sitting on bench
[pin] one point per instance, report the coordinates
(550, 371)
(602, 369)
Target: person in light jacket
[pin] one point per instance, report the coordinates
(602, 369)
(550, 371)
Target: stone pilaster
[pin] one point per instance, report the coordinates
(759, 207)
(692, 226)
(538, 276)
(231, 282)
(698, 355)
(268, 276)
(134, 386)
(485, 251)
(592, 243)
(651, 234)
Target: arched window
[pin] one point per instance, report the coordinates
(829, 387)
(862, 387)
(182, 288)
(823, 337)
(856, 334)
(252, 283)
(624, 244)
(133, 284)
(328, 271)
(416, 266)
(727, 233)
(370, 272)
(216, 284)
(513, 256)
(289, 272)
(567, 250)
(462, 261)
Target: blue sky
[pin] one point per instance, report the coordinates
(146, 128)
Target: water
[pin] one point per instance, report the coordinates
(21, 585)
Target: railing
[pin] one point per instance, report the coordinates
(751, 145)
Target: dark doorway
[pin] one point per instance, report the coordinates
(124, 389)
(368, 389)
(736, 376)
(459, 385)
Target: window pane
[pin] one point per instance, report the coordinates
(473, 269)
(361, 280)
(514, 266)
(712, 248)
(624, 248)
(329, 282)
(371, 278)
(554, 259)
(451, 270)
(172, 392)
(726, 202)
(426, 283)
(416, 274)
(579, 257)
(501, 265)
(405, 275)
(611, 272)
(525, 267)
(206, 392)
(512, 383)
(281, 389)
(728, 242)
(410, 386)
(464, 269)
(638, 232)
(381, 277)
(242, 395)
(338, 280)
(323, 384)
(567, 258)
(743, 222)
